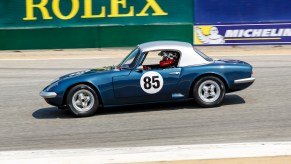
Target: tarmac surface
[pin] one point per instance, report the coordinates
(260, 113)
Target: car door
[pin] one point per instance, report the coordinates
(146, 85)
(153, 83)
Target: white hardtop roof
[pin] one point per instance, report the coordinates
(162, 45)
(188, 55)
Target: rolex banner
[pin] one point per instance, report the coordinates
(278, 33)
(68, 13)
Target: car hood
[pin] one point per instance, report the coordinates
(90, 71)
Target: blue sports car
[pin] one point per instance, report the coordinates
(153, 72)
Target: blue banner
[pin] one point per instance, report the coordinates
(241, 11)
(242, 34)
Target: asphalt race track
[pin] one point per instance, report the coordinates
(259, 114)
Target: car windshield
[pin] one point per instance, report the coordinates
(129, 60)
(203, 55)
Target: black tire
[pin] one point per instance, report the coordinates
(82, 100)
(209, 91)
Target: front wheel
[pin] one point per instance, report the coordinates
(82, 100)
(209, 91)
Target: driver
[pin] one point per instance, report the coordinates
(169, 59)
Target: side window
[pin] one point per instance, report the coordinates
(161, 59)
(152, 58)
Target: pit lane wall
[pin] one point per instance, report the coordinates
(241, 22)
(57, 24)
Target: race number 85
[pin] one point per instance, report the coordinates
(151, 82)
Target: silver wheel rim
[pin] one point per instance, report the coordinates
(209, 91)
(83, 100)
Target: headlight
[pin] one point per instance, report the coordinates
(55, 80)
(54, 84)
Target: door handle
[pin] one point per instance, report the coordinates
(174, 73)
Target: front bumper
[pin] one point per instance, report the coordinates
(48, 95)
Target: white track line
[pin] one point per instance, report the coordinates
(148, 154)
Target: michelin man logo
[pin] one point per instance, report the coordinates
(213, 38)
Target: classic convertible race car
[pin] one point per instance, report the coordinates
(153, 72)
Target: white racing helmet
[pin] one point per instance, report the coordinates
(167, 55)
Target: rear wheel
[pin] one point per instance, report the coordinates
(82, 100)
(209, 91)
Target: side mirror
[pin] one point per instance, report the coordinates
(139, 68)
(125, 66)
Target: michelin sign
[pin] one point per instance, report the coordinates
(242, 34)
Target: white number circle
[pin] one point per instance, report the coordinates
(151, 82)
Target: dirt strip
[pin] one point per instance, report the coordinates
(121, 52)
(259, 160)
